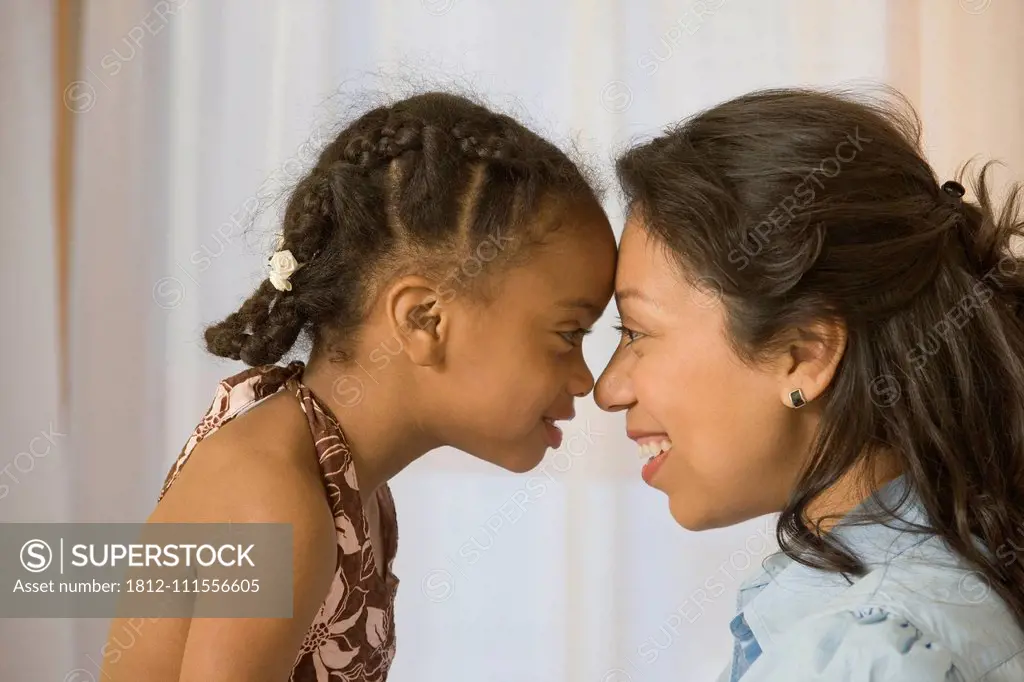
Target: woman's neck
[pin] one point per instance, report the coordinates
(381, 431)
(855, 486)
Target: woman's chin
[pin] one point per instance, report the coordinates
(693, 517)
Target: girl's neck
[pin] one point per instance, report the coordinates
(382, 433)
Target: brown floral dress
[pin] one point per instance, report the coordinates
(352, 637)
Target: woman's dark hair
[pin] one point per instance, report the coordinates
(420, 186)
(804, 206)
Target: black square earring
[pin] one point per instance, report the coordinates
(796, 396)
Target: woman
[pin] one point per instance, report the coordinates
(813, 324)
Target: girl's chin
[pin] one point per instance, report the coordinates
(517, 459)
(523, 461)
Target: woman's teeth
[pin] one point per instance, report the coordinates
(654, 448)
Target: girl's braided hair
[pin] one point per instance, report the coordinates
(416, 186)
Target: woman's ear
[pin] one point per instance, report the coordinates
(809, 361)
(418, 318)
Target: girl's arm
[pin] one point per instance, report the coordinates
(237, 482)
(264, 649)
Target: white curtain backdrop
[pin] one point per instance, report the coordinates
(193, 117)
(34, 453)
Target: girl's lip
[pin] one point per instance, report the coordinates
(552, 432)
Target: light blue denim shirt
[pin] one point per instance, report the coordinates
(918, 614)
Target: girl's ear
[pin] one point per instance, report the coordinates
(418, 319)
(809, 362)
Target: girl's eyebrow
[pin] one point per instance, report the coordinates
(584, 304)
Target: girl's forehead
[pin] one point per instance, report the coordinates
(573, 270)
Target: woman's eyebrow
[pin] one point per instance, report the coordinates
(630, 292)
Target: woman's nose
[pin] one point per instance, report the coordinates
(613, 391)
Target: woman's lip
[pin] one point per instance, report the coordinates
(650, 469)
(642, 437)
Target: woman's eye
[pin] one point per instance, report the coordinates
(629, 334)
(575, 337)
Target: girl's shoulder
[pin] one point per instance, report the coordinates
(255, 468)
(261, 463)
(270, 434)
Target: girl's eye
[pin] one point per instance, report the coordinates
(627, 333)
(575, 337)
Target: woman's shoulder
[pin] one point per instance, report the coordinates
(887, 641)
(860, 644)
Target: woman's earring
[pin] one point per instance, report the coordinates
(796, 397)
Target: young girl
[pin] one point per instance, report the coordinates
(849, 333)
(446, 263)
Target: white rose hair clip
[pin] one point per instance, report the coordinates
(282, 266)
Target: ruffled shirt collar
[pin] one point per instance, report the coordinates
(786, 591)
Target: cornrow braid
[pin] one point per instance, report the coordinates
(494, 145)
(415, 186)
(384, 144)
